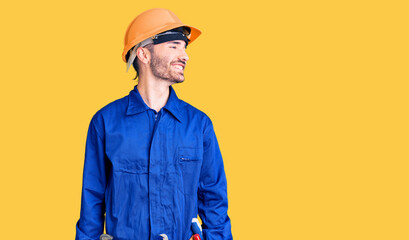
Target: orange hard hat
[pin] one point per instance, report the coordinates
(150, 23)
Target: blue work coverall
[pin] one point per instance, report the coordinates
(151, 172)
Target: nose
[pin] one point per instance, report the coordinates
(184, 57)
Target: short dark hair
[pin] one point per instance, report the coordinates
(135, 61)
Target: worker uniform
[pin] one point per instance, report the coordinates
(152, 172)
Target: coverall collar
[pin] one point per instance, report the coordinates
(137, 105)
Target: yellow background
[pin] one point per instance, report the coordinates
(309, 100)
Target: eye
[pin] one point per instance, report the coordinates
(174, 47)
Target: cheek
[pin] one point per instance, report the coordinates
(159, 62)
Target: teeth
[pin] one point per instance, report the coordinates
(179, 67)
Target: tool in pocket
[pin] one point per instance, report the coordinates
(105, 237)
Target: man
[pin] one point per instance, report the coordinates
(152, 161)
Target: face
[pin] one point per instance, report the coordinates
(169, 60)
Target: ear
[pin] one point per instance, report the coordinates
(143, 54)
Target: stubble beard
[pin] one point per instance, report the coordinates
(162, 70)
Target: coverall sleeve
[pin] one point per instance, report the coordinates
(91, 223)
(212, 193)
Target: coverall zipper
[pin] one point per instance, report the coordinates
(155, 126)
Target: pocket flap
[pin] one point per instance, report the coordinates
(189, 154)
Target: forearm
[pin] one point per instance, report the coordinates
(212, 194)
(91, 222)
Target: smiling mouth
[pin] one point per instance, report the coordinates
(180, 67)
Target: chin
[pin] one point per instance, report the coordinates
(178, 80)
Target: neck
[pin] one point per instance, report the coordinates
(155, 93)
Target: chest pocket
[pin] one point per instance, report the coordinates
(190, 162)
